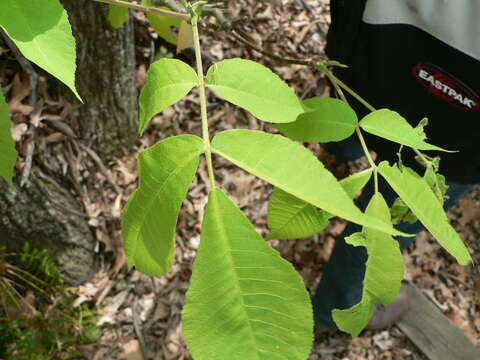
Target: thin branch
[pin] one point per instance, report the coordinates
(239, 38)
(145, 8)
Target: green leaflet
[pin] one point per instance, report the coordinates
(42, 32)
(327, 120)
(292, 218)
(292, 168)
(8, 154)
(384, 271)
(245, 301)
(169, 80)
(162, 23)
(117, 15)
(255, 88)
(166, 171)
(356, 182)
(392, 126)
(420, 198)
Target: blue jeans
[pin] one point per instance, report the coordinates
(342, 281)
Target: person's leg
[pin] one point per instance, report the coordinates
(342, 280)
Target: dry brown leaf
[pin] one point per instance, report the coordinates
(20, 90)
(132, 350)
(470, 210)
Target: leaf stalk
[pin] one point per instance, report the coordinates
(338, 84)
(203, 101)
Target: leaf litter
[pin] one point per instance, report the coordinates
(292, 28)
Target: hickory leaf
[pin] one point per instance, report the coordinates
(292, 168)
(166, 171)
(383, 275)
(421, 199)
(41, 31)
(255, 88)
(326, 119)
(162, 23)
(292, 218)
(245, 301)
(8, 154)
(392, 126)
(169, 80)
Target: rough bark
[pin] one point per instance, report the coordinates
(105, 78)
(47, 216)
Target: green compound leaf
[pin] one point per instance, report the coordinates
(8, 154)
(244, 301)
(326, 119)
(169, 80)
(292, 218)
(117, 15)
(292, 168)
(150, 217)
(43, 34)
(392, 126)
(162, 23)
(255, 88)
(421, 199)
(384, 271)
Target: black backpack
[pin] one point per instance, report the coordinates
(403, 56)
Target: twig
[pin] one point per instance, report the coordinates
(102, 167)
(138, 330)
(145, 8)
(237, 37)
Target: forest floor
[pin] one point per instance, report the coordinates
(143, 314)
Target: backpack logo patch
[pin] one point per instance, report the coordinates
(446, 87)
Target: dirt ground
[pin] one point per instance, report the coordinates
(141, 313)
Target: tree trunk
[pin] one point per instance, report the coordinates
(45, 213)
(105, 78)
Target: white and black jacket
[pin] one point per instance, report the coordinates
(422, 59)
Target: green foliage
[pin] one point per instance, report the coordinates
(166, 171)
(400, 212)
(162, 23)
(392, 126)
(276, 159)
(325, 119)
(169, 80)
(47, 326)
(244, 301)
(269, 99)
(117, 15)
(384, 271)
(292, 218)
(43, 34)
(39, 264)
(53, 334)
(420, 198)
(8, 154)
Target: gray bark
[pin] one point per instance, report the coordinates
(105, 78)
(47, 216)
